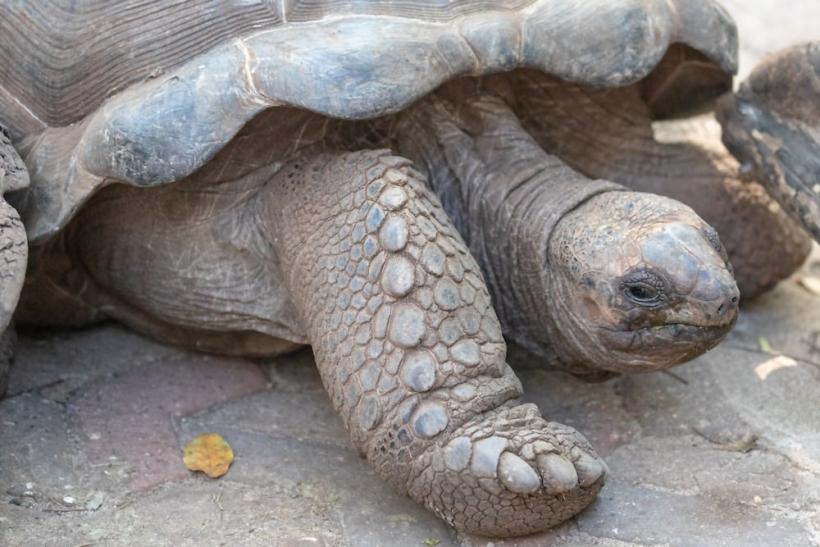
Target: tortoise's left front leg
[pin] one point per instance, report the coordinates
(772, 125)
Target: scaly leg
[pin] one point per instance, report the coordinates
(410, 349)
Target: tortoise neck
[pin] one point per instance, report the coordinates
(506, 195)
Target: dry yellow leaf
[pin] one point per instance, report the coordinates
(209, 453)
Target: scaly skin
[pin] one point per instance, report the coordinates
(13, 256)
(8, 340)
(411, 351)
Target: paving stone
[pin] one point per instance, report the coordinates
(306, 416)
(56, 363)
(120, 393)
(650, 516)
(41, 460)
(192, 512)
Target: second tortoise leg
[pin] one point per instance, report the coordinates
(410, 349)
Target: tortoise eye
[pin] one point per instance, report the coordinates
(642, 293)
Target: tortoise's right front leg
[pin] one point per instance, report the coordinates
(410, 349)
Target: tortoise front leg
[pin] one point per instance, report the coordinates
(410, 349)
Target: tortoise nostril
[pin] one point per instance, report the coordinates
(728, 305)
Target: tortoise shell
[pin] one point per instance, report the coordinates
(147, 93)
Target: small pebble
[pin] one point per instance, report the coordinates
(95, 502)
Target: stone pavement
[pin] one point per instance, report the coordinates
(723, 451)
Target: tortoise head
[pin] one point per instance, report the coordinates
(640, 282)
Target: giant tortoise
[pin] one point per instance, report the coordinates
(386, 182)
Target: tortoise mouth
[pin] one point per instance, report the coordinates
(662, 346)
(686, 329)
(672, 332)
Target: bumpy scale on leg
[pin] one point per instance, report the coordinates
(411, 351)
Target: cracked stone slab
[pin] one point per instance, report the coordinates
(132, 418)
(43, 359)
(191, 512)
(42, 460)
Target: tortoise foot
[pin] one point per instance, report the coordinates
(508, 473)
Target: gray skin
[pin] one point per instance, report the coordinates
(353, 253)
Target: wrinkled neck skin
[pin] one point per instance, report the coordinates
(561, 252)
(505, 195)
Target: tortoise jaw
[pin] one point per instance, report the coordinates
(675, 333)
(661, 346)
